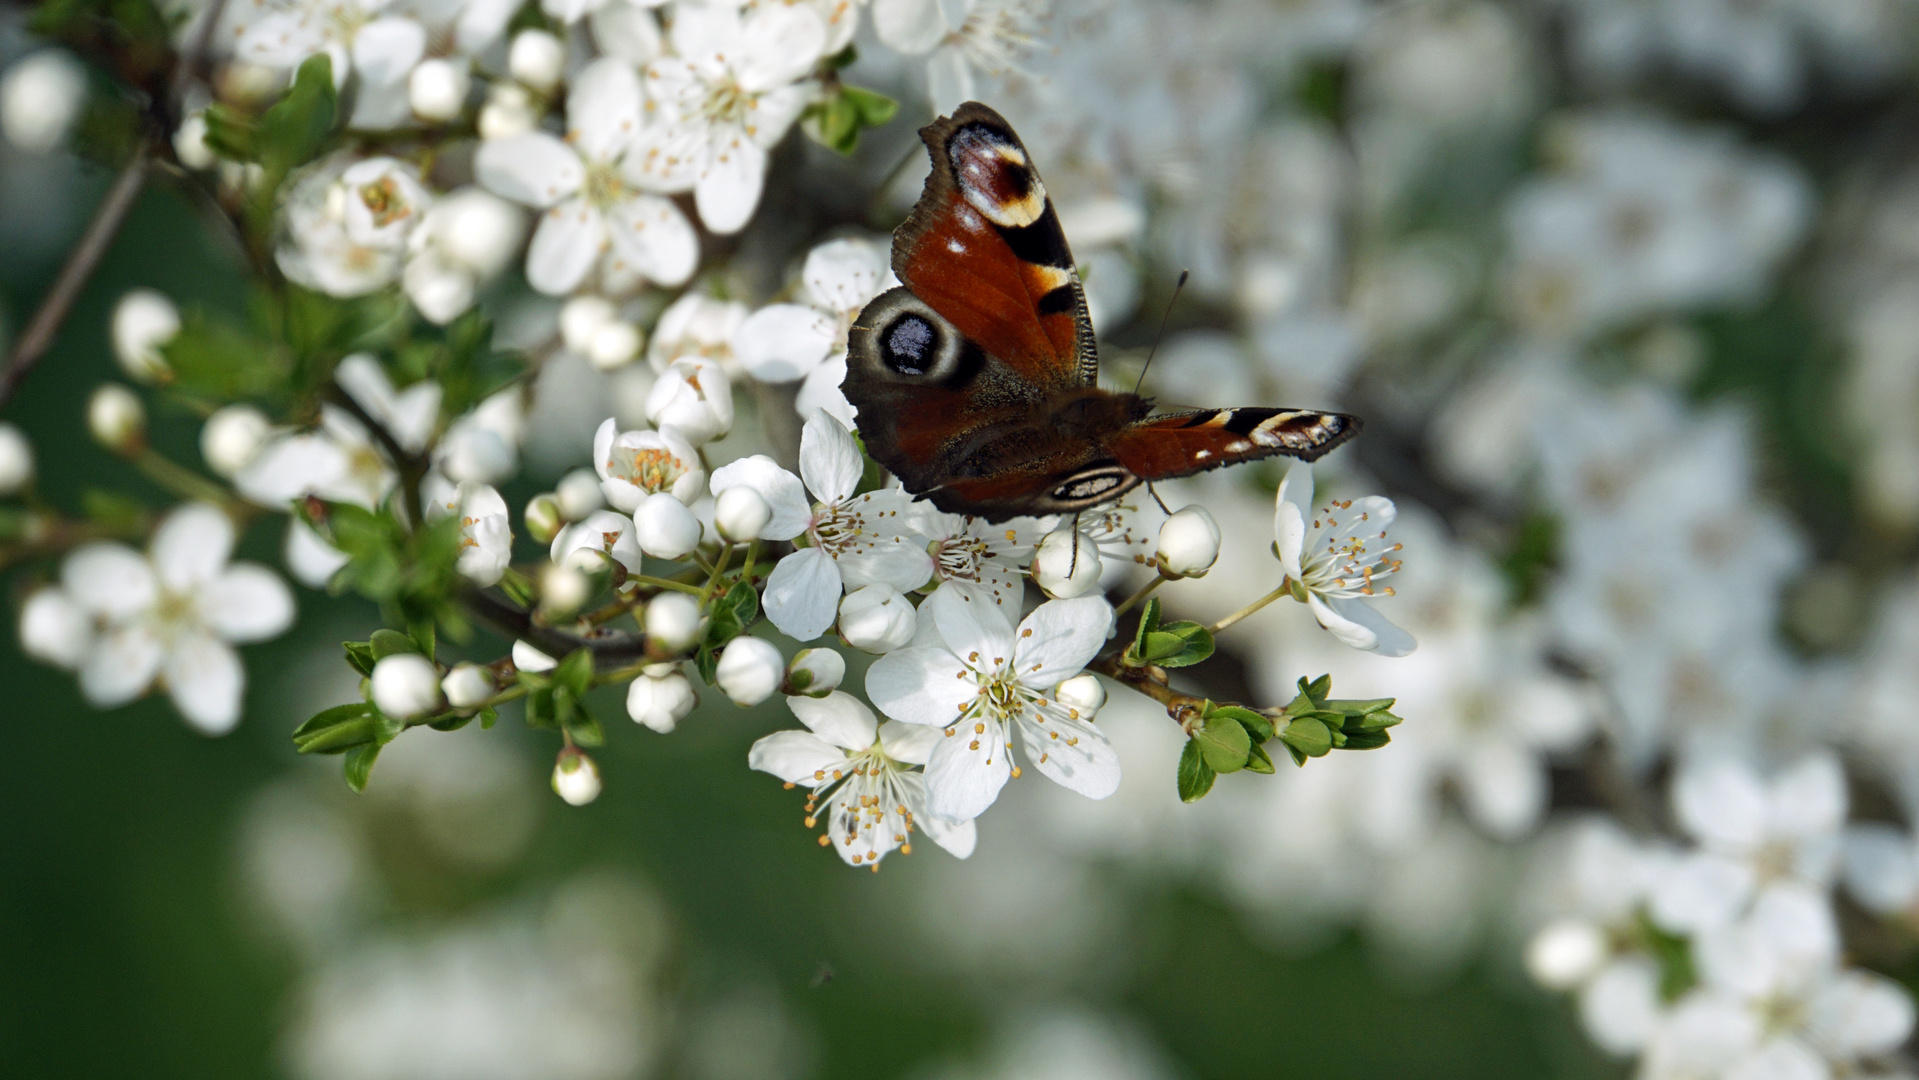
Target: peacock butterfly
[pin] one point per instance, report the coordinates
(977, 379)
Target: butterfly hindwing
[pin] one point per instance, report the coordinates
(1181, 444)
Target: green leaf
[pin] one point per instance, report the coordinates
(1148, 623)
(296, 128)
(1317, 689)
(1195, 645)
(1366, 740)
(575, 672)
(541, 708)
(359, 765)
(1259, 761)
(1307, 736)
(584, 727)
(113, 512)
(215, 359)
(838, 120)
(1256, 725)
(335, 730)
(1377, 721)
(707, 663)
(1356, 706)
(1195, 776)
(453, 722)
(385, 643)
(488, 717)
(1223, 744)
(421, 631)
(872, 108)
(1160, 643)
(360, 655)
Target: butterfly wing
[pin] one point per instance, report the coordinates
(953, 372)
(1181, 444)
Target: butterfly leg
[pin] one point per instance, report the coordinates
(1072, 569)
(1150, 490)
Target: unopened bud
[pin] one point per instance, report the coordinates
(1083, 693)
(672, 622)
(544, 518)
(537, 59)
(749, 670)
(660, 701)
(575, 777)
(190, 143)
(41, 96)
(116, 418)
(143, 322)
(1188, 543)
(614, 345)
(232, 437)
(509, 110)
(877, 619)
(579, 495)
(528, 658)
(16, 459)
(665, 528)
(739, 513)
(1564, 954)
(564, 589)
(814, 673)
(437, 89)
(1066, 564)
(468, 685)
(581, 318)
(406, 685)
(55, 629)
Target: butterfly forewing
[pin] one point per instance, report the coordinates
(1181, 444)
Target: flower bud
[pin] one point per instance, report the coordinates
(750, 670)
(1082, 693)
(564, 587)
(509, 110)
(877, 619)
(660, 701)
(232, 437)
(406, 685)
(672, 621)
(814, 673)
(1066, 564)
(528, 658)
(1566, 953)
(468, 685)
(694, 398)
(190, 143)
(740, 513)
(615, 344)
(544, 517)
(16, 459)
(581, 318)
(116, 418)
(579, 495)
(55, 630)
(602, 532)
(477, 229)
(537, 59)
(143, 322)
(437, 89)
(1188, 543)
(41, 96)
(575, 777)
(665, 528)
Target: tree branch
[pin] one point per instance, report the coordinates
(611, 648)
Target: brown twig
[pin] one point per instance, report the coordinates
(1151, 681)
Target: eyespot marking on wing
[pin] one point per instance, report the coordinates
(907, 344)
(995, 177)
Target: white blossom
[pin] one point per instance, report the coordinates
(877, 619)
(602, 531)
(16, 460)
(693, 398)
(486, 533)
(660, 701)
(982, 679)
(1338, 564)
(749, 670)
(406, 685)
(144, 321)
(786, 342)
(635, 464)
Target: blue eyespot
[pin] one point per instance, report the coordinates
(906, 345)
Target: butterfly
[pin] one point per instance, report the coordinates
(976, 380)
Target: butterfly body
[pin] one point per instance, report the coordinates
(976, 380)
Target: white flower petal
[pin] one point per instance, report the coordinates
(842, 275)
(191, 546)
(603, 109)
(780, 44)
(653, 237)
(911, 27)
(109, 580)
(977, 633)
(534, 168)
(920, 685)
(1505, 787)
(121, 666)
(386, 50)
(830, 461)
(1723, 803)
(1860, 1015)
(957, 837)
(797, 757)
(966, 771)
(1699, 892)
(803, 594)
(783, 342)
(728, 190)
(1621, 1006)
(248, 602)
(1808, 799)
(206, 681)
(1293, 509)
(839, 718)
(908, 744)
(1072, 753)
(782, 491)
(1061, 637)
(1356, 623)
(821, 390)
(564, 247)
(901, 562)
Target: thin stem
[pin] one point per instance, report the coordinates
(719, 567)
(666, 583)
(52, 313)
(1145, 591)
(1285, 589)
(1151, 681)
(184, 482)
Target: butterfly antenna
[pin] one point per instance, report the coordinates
(1072, 570)
(1181, 284)
(1154, 492)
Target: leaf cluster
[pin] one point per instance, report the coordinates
(1167, 645)
(557, 699)
(1227, 738)
(728, 617)
(836, 120)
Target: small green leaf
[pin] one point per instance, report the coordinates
(1256, 725)
(707, 663)
(1195, 776)
(1366, 740)
(387, 643)
(1317, 689)
(360, 655)
(1357, 707)
(335, 730)
(488, 717)
(1308, 736)
(575, 672)
(871, 107)
(359, 765)
(744, 601)
(113, 512)
(296, 128)
(584, 727)
(1223, 743)
(1148, 623)
(1259, 761)
(421, 631)
(1195, 645)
